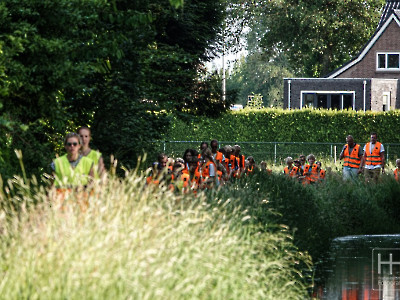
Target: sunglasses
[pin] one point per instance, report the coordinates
(72, 144)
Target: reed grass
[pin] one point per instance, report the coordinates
(136, 242)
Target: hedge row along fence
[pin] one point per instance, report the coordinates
(306, 125)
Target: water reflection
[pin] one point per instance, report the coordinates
(364, 267)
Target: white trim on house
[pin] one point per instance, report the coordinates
(353, 93)
(368, 47)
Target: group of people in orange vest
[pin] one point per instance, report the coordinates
(215, 166)
(305, 173)
(211, 167)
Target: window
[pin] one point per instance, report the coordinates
(329, 99)
(388, 61)
(309, 100)
(322, 101)
(386, 101)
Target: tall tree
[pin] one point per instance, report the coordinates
(316, 36)
(115, 65)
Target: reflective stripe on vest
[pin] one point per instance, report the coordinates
(206, 170)
(373, 158)
(66, 176)
(351, 159)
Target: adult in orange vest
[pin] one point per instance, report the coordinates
(352, 154)
(289, 166)
(373, 159)
(396, 171)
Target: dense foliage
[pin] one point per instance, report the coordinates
(306, 125)
(117, 66)
(316, 214)
(316, 36)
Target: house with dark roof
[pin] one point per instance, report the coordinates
(369, 81)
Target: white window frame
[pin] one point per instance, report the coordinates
(353, 93)
(386, 61)
(388, 98)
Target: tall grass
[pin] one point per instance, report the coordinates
(135, 242)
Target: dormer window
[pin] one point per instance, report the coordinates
(388, 61)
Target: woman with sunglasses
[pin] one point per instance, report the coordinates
(72, 169)
(86, 136)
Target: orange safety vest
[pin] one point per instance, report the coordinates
(150, 180)
(233, 163)
(227, 165)
(396, 174)
(287, 171)
(351, 159)
(311, 176)
(295, 171)
(205, 172)
(218, 156)
(322, 174)
(250, 170)
(373, 158)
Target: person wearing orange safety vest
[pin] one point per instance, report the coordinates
(208, 170)
(297, 171)
(289, 167)
(311, 171)
(321, 172)
(240, 161)
(159, 171)
(396, 171)
(219, 160)
(373, 159)
(352, 154)
(251, 165)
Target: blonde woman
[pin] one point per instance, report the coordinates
(86, 136)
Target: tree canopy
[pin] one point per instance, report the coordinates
(316, 36)
(117, 66)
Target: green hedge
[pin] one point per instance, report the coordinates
(306, 125)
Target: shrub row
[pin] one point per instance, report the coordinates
(306, 125)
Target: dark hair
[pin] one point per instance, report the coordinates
(191, 151)
(203, 143)
(374, 133)
(70, 135)
(161, 156)
(213, 142)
